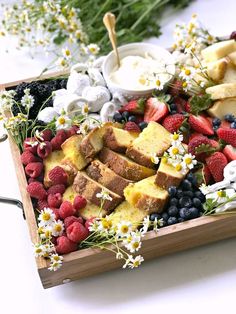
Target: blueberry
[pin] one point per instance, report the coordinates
(143, 125)
(194, 212)
(180, 220)
(216, 122)
(188, 193)
(185, 213)
(173, 106)
(191, 178)
(229, 117)
(125, 115)
(132, 119)
(200, 195)
(155, 215)
(117, 117)
(233, 125)
(215, 127)
(172, 190)
(185, 201)
(173, 201)
(186, 185)
(173, 211)
(165, 216)
(197, 203)
(179, 193)
(172, 221)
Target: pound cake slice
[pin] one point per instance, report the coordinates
(89, 188)
(123, 166)
(126, 212)
(54, 159)
(107, 177)
(146, 195)
(154, 140)
(89, 211)
(167, 175)
(73, 156)
(118, 139)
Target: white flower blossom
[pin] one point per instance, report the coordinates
(136, 262)
(124, 228)
(57, 228)
(63, 122)
(46, 217)
(104, 195)
(189, 161)
(27, 100)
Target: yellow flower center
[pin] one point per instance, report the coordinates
(164, 160)
(86, 109)
(46, 216)
(175, 136)
(136, 263)
(58, 228)
(56, 258)
(67, 52)
(38, 250)
(158, 83)
(187, 72)
(188, 160)
(178, 167)
(175, 151)
(63, 62)
(142, 81)
(221, 193)
(124, 229)
(106, 224)
(47, 233)
(135, 245)
(61, 120)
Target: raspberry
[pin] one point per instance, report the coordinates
(34, 169)
(44, 149)
(72, 131)
(65, 245)
(47, 135)
(54, 200)
(59, 139)
(58, 188)
(79, 202)
(70, 219)
(27, 145)
(76, 232)
(131, 126)
(36, 190)
(62, 135)
(27, 157)
(40, 178)
(41, 204)
(89, 222)
(56, 212)
(58, 175)
(66, 209)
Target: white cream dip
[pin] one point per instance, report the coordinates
(140, 73)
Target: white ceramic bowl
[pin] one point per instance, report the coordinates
(136, 49)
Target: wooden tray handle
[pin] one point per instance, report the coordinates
(13, 201)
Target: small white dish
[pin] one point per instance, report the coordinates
(136, 49)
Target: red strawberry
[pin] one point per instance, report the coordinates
(187, 107)
(155, 110)
(79, 202)
(134, 106)
(30, 144)
(194, 134)
(173, 123)
(34, 169)
(36, 190)
(54, 200)
(70, 219)
(58, 188)
(46, 135)
(58, 175)
(195, 143)
(77, 232)
(215, 144)
(225, 124)
(66, 209)
(176, 88)
(216, 163)
(27, 157)
(180, 104)
(65, 245)
(228, 135)
(207, 174)
(230, 152)
(201, 124)
(44, 149)
(131, 126)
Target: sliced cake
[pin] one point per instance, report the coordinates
(154, 140)
(89, 211)
(167, 175)
(118, 139)
(89, 189)
(126, 212)
(146, 195)
(107, 177)
(54, 159)
(123, 166)
(73, 156)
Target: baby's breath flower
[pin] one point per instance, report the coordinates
(63, 122)
(57, 228)
(6, 100)
(93, 48)
(46, 217)
(104, 195)
(189, 161)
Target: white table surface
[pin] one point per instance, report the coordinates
(200, 280)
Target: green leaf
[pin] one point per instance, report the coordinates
(200, 103)
(205, 148)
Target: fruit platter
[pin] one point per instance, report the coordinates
(120, 164)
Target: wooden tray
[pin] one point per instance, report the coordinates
(89, 262)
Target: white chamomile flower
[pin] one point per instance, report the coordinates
(62, 62)
(187, 73)
(66, 53)
(221, 196)
(136, 262)
(93, 48)
(56, 258)
(176, 150)
(104, 195)
(179, 166)
(146, 224)
(124, 228)
(190, 48)
(46, 231)
(189, 161)
(85, 110)
(63, 122)
(159, 85)
(176, 139)
(155, 159)
(55, 266)
(39, 250)
(105, 224)
(134, 243)
(57, 228)
(49, 248)
(94, 225)
(186, 85)
(119, 255)
(84, 128)
(46, 217)
(204, 189)
(38, 135)
(27, 100)
(155, 224)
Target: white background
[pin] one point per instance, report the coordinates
(196, 281)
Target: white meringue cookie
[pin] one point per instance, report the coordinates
(47, 114)
(59, 92)
(79, 67)
(61, 103)
(98, 63)
(107, 111)
(97, 96)
(96, 77)
(119, 99)
(230, 171)
(77, 82)
(226, 207)
(74, 107)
